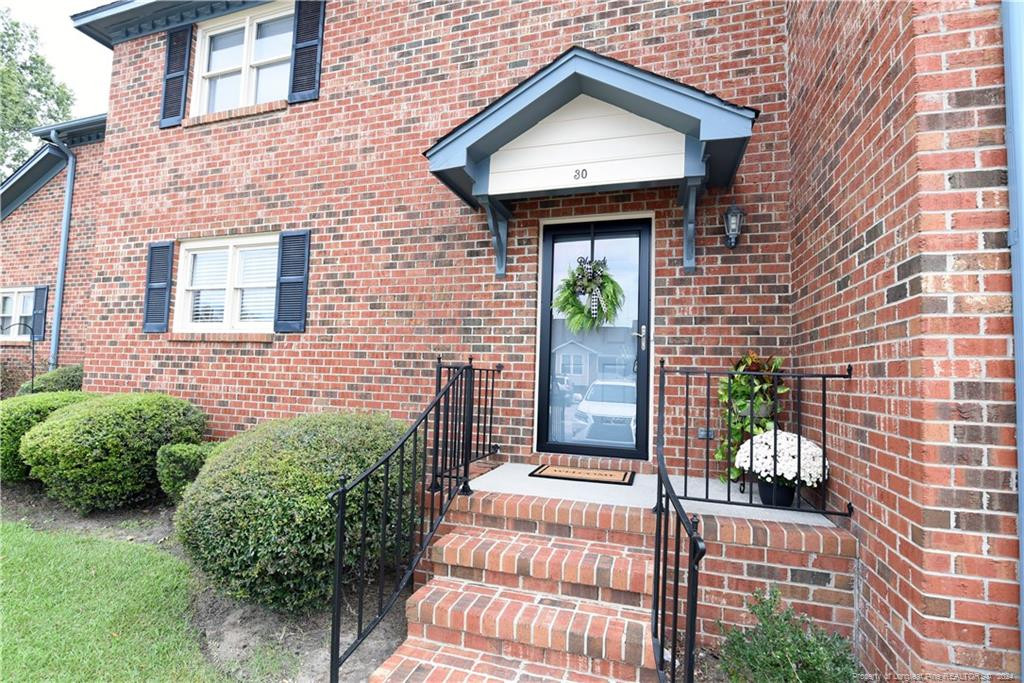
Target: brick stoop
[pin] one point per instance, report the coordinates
(528, 588)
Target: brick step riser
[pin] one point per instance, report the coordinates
(585, 532)
(539, 585)
(580, 664)
(571, 625)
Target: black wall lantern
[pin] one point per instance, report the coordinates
(733, 218)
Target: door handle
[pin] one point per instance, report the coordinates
(643, 337)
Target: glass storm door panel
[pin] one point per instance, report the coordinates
(593, 384)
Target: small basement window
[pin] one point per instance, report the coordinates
(15, 313)
(227, 285)
(243, 59)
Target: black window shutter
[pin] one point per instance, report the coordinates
(39, 312)
(172, 106)
(158, 287)
(292, 281)
(307, 48)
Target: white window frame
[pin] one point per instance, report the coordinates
(18, 333)
(247, 86)
(232, 299)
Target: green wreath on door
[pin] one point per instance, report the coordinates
(589, 296)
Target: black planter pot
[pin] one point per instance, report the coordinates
(778, 495)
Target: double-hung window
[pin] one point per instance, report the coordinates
(243, 60)
(15, 313)
(227, 285)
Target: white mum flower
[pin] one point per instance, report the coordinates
(775, 452)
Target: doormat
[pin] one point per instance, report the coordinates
(618, 477)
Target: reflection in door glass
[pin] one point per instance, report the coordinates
(592, 398)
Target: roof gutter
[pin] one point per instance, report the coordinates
(1013, 58)
(65, 235)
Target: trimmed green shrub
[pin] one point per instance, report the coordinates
(785, 647)
(177, 465)
(67, 378)
(18, 415)
(257, 522)
(101, 454)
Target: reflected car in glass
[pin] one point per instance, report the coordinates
(607, 413)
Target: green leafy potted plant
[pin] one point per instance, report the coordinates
(748, 399)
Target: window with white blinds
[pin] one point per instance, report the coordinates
(230, 285)
(15, 313)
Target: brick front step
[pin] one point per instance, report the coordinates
(419, 659)
(546, 564)
(428, 660)
(619, 525)
(573, 633)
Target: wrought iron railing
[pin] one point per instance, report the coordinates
(387, 516)
(670, 527)
(793, 402)
(482, 443)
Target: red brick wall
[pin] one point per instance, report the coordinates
(400, 270)
(30, 251)
(876, 223)
(899, 266)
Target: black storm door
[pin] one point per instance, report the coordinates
(593, 385)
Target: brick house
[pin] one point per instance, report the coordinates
(291, 208)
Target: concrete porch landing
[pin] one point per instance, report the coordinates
(514, 478)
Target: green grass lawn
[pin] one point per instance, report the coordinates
(84, 609)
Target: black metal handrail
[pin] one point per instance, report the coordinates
(703, 428)
(387, 515)
(484, 382)
(671, 523)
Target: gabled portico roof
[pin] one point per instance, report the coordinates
(717, 131)
(525, 143)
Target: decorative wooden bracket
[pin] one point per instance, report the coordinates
(497, 222)
(689, 191)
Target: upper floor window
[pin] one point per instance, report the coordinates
(227, 285)
(243, 59)
(15, 313)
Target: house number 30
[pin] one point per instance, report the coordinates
(579, 174)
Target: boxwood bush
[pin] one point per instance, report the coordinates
(256, 519)
(18, 415)
(101, 454)
(67, 378)
(177, 464)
